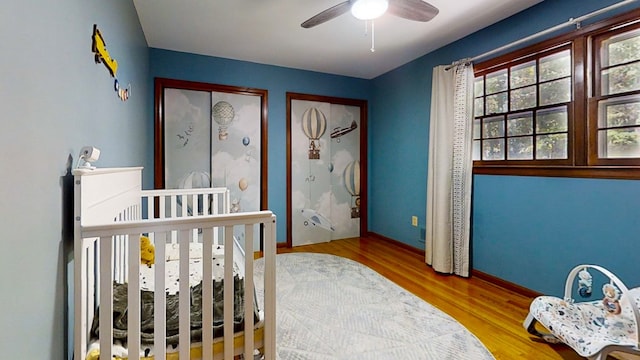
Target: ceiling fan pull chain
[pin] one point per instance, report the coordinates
(373, 37)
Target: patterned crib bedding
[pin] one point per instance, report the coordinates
(571, 323)
(172, 267)
(172, 263)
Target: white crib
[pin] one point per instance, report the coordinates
(110, 209)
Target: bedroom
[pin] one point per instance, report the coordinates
(56, 101)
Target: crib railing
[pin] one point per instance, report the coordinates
(97, 286)
(168, 203)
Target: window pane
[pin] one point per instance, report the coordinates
(497, 103)
(520, 148)
(520, 124)
(621, 79)
(476, 129)
(493, 127)
(478, 87)
(555, 66)
(476, 150)
(478, 107)
(523, 74)
(493, 149)
(555, 92)
(623, 111)
(551, 146)
(619, 143)
(497, 81)
(551, 120)
(621, 49)
(523, 98)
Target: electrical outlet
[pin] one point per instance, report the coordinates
(414, 221)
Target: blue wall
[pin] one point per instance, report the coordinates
(56, 99)
(546, 224)
(278, 81)
(532, 230)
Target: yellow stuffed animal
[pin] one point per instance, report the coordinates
(147, 251)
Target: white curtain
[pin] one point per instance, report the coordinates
(450, 169)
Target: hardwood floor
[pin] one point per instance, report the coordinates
(493, 313)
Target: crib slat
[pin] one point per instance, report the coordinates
(161, 207)
(160, 299)
(214, 205)
(184, 297)
(106, 299)
(133, 296)
(173, 203)
(117, 256)
(207, 294)
(270, 289)
(248, 291)
(228, 292)
(214, 210)
(93, 263)
(206, 204)
(80, 308)
(185, 205)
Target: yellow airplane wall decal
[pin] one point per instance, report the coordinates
(99, 48)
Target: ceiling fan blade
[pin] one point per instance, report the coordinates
(327, 15)
(416, 10)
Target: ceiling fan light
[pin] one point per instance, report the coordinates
(369, 9)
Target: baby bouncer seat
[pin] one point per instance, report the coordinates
(592, 328)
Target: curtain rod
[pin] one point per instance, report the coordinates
(570, 22)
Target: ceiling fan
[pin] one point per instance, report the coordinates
(416, 10)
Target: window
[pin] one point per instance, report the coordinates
(521, 111)
(616, 100)
(569, 106)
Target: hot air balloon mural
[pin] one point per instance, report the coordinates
(222, 113)
(243, 184)
(248, 154)
(314, 124)
(352, 184)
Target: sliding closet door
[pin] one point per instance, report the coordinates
(325, 168)
(209, 135)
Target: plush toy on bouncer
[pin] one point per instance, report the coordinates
(585, 282)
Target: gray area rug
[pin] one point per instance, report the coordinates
(329, 307)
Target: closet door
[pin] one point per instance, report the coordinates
(325, 168)
(209, 135)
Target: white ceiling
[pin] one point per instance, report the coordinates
(269, 32)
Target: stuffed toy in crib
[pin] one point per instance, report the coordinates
(147, 251)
